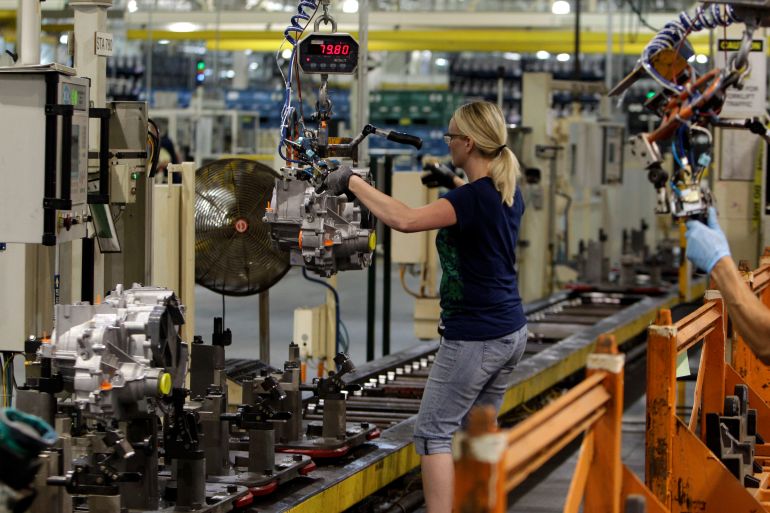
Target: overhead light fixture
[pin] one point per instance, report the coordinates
(253, 66)
(691, 58)
(350, 6)
(512, 56)
(286, 53)
(542, 55)
(132, 6)
(560, 7)
(248, 52)
(441, 62)
(64, 38)
(182, 26)
(163, 42)
(563, 57)
(701, 58)
(273, 6)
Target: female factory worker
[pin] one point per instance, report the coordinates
(484, 324)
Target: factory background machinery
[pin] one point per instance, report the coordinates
(189, 321)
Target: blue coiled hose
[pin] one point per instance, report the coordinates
(674, 32)
(300, 16)
(291, 34)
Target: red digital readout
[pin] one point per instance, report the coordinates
(335, 49)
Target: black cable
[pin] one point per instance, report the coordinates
(155, 126)
(346, 345)
(2, 379)
(11, 380)
(7, 376)
(156, 148)
(638, 11)
(117, 216)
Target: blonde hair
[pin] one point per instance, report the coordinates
(484, 123)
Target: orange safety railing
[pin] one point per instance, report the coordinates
(680, 470)
(489, 462)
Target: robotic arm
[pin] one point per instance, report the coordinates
(689, 105)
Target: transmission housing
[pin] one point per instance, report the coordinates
(322, 232)
(115, 354)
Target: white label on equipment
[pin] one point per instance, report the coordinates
(749, 101)
(103, 44)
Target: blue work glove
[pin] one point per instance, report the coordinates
(706, 244)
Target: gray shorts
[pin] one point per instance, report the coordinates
(464, 374)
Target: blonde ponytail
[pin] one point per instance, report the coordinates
(503, 170)
(484, 123)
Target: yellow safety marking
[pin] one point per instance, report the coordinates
(554, 41)
(352, 490)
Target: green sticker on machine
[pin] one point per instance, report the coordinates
(73, 96)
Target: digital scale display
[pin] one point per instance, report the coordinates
(324, 52)
(320, 47)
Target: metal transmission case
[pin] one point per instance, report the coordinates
(117, 353)
(324, 233)
(43, 154)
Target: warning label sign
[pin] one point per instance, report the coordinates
(750, 100)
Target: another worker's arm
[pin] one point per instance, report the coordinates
(749, 316)
(399, 216)
(707, 248)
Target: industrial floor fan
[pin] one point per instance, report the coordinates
(233, 252)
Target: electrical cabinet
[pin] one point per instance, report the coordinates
(128, 147)
(43, 154)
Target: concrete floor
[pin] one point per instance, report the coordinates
(546, 490)
(242, 314)
(542, 492)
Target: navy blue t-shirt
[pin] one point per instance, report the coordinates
(479, 290)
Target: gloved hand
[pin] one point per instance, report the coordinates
(337, 182)
(706, 244)
(438, 175)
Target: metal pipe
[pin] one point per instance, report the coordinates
(552, 220)
(264, 327)
(87, 270)
(371, 291)
(386, 263)
(407, 503)
(362, 98)
(191, 481)
(577, 40)
(500, 86)
(262, 451)
(608, 79)
(29, 21)
(90, 18)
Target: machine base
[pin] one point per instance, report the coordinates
(287, 467)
